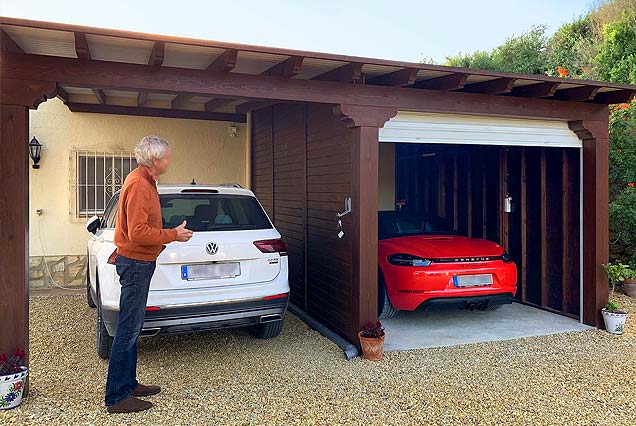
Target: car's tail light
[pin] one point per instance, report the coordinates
(272, 246)
(153, 308)
(403, 259)
(112, 257)
(275, 296)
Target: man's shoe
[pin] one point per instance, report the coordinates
(129, 405)
(146, 390)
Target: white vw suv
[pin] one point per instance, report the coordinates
(232, 273)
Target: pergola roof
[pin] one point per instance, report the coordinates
(97, 44)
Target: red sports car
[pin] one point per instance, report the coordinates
(422, 265)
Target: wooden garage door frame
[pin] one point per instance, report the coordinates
(464, 129)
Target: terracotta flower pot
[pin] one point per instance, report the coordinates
(372, 348)
(629, 287)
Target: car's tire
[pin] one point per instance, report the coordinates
(267, 330)
(104, 340)
(385, 308)
(89, 297)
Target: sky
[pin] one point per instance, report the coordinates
(403, 30)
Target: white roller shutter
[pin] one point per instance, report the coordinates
(414, 127)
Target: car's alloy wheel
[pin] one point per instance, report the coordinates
(104, 340)
(385, 308)
(267, 330)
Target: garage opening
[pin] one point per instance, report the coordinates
(514, 182)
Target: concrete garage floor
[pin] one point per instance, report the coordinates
(430, 329)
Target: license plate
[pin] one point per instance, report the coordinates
(206, 271)
(478, 280)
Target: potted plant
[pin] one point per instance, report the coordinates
(12, 379)
(372, 341)
(613, 315)
(619, 273)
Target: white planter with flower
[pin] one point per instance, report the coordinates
(12, 379)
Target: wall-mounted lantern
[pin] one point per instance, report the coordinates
(35, 148)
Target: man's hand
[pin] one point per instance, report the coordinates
(183, 233)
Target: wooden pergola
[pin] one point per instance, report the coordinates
(118, 72)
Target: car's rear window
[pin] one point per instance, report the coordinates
(213, 212)
(402, 225)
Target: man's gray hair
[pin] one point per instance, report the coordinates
(150, 148)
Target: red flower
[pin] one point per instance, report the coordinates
(17, 385)
(19, 352)
(631, 184)
(562, 71)
(624, 106)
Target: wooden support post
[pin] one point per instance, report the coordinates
(484, 200)
(544, 232)
(441, 192)
(469, 197)
(524, 227)
(366, 122)
(503, 187)
(455, 192)
(16, 97)
(595, 137)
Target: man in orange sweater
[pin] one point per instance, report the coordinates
(139, 238)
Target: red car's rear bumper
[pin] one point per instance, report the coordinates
(410, 287)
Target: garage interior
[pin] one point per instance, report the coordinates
(525, 196)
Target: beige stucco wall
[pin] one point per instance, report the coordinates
(386, 177)
(201, 149)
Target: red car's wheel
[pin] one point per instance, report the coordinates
(385, 308)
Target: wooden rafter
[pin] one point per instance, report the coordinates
(156, 112)
(8, 44)
(615, 97)
(157, 54)
(453, 81)
(583, 93)
(225, 62)
(217, 103)
(346, 73)
(254, 105)
(402, 77)
(492, 87)
(81, 46)
(539, 90)
(287, 68)
(62, 94)
(100, 95)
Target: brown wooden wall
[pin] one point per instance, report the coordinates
(467, 185)
(301, 159)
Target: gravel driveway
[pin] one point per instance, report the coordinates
(301, 378)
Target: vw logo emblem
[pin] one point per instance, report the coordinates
(211, 248)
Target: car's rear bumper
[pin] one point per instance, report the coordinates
(204, 316)
(477, 303)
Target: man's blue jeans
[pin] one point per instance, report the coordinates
(134, 277)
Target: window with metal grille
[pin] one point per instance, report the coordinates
(98, 176)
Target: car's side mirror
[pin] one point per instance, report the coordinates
(93, 224)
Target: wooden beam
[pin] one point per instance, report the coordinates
(402, 77)
(157, 54)
(157, 112)
(453, 81)
(142, 97)
(100, 95)
(565, 218)
(254, 105)
(135, 77)
(544, 231)
(29, 93)
(62, 94)
(539, 90)
(497, 86)
(523, 207)
(8, 44)
(615, 97)
(287, 68)
(583, 93)
(225, 62)
(217, 103)
(14, 226)
(81, 46)
(346, 73)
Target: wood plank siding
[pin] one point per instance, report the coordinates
(308, 152)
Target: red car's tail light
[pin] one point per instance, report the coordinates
(153, 308)
(275, 296)
(112, 257)
(272, 246)
(403, 259)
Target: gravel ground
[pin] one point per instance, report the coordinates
(227, 377)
